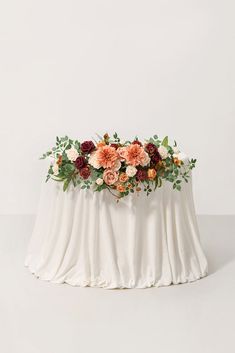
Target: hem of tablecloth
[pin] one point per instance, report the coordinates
(101, 283)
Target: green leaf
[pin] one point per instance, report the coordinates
(165, 141)
(159, 182)
(156, 183)
(66, 184)
(48, 177)
(69, 168)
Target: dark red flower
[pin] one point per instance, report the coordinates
(114, 145)
(151, 149)
(137, 142)
(80, 162)
(141, 175)
(85, 172)
(155, 158)
(87, 147)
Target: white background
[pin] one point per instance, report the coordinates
(136, 67)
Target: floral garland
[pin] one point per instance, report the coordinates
(122, 167)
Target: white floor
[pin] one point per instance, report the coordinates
(39, 317)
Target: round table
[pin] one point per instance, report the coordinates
(86, 238)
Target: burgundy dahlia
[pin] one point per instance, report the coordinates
(87, 146)
(141, 175)
(80, 162)
(85, 172)
(151, 149)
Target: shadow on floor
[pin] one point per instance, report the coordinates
(218, 240)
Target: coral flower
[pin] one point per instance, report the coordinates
(123, 177)
(93, 160)
(121, 188)
(106, 156)
(117, 165)
(122, 153)
(110, 176)
(135, 155)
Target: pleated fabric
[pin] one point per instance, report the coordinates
(86, 238)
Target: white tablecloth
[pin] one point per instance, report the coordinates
(85, 238)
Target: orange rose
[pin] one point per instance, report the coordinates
(123, 177)
(121, 188)
(177, 161)
(152, 174)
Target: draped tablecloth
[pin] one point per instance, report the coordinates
(86, 238)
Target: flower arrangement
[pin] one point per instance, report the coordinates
(121, 167)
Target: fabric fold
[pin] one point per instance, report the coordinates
(86, 238)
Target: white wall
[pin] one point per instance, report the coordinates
(136, 67)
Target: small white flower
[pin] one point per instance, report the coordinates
(163, 152)
(181, 156)
(72, 154)
(176, 149)
(55, 169)
(99, 181)
(131, 171)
